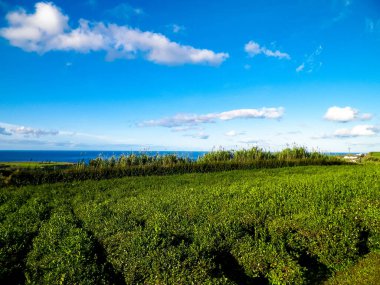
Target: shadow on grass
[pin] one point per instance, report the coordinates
(229, 267)
(316, 272)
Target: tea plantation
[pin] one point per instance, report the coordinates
(299, 225)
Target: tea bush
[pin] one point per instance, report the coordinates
(291, 225)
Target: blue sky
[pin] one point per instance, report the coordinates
(190, 75)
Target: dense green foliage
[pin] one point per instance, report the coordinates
(280, 226)
(143, 165)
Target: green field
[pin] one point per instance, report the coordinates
(299, 225)
(33, 164)
(374, 154)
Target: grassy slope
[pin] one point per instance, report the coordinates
(364, 272)
(283, 226)
(375, 154)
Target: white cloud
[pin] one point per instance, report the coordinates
(366, 117)
(263, 113)
(31, 31)
(159, 49)
(8, 129)
(345, 114)
(178, 121)
(194, 120)
(357, 131)
(234, 133)
(33, 132)
(47, 30)
(253, 49)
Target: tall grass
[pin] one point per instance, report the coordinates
(142, 165)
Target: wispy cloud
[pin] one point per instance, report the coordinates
(341, 9)
(372, 26)
(7, 129)
(124, 11)
(5, 132)
(346, 114)
(300, 67)
(347, 2)
(311, 62)
(250, 141)
(176, 29)
(47, 30)
(201, 136)
(234, 133)
(194, 120)
(18, 131)
(253, 49)
(178, 120)
(185, 129)
(289, 133)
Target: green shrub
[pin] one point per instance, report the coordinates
(16, 234)
(63, 253)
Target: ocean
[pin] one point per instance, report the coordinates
(76, 156)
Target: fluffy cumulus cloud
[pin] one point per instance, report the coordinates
(47, 30)
(253, 49)
(180, 120)
(357, 131)
(345, 114)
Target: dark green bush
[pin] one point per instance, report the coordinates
(63, 253)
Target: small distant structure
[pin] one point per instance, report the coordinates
(354, 157)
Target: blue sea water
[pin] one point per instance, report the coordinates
(76, 156)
